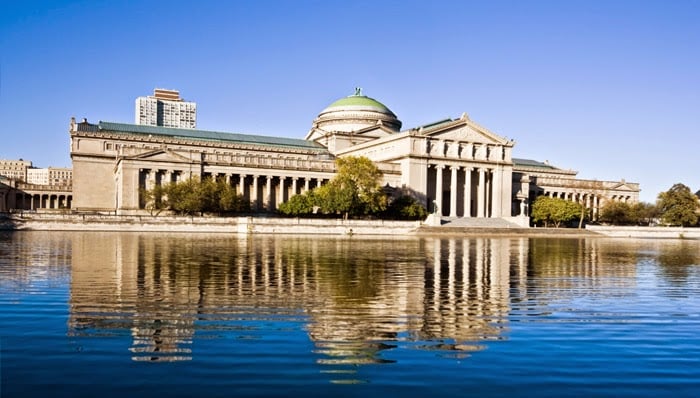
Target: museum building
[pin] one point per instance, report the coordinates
(455, 167)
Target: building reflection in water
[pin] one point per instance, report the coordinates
(356, 298)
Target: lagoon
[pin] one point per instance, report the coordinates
(216, 315)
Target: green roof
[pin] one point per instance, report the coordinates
(205, 135)
(435, 124)
(359, 100)
(533, 163)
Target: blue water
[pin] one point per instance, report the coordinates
(110, 314)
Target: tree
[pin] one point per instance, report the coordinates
(195, 196)
(405, 207)
(298, 205)
(554, 210)
(644, 213)
(616, 213)
(620, 213)
(678, 206)
(154, 200)
(230, 201)
(355, 189)
(185, 197)
(362, 175)
(583, 190)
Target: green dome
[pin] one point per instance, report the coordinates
(356, 112)
(359, 100)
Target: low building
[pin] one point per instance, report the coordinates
(455, 167)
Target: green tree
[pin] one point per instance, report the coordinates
(208, 194)
(678, 206)
(582, 190)
(405, 207)
(363, 176)
(554, 210)
(185, 197)
(298, 205)
(154, 200)
(230, 201)
(355, 189)
(616, 213)
(644, 213)
(195, 196)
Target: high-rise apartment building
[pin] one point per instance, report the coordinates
(165, 108)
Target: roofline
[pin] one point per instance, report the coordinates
(207, 135)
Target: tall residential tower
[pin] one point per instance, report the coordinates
(165, 108)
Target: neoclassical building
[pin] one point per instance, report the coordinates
(455, 167)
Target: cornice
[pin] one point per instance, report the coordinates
(191, 142)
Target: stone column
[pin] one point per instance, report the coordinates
(280, 200)
(306, 184)
(438, 189)
(596, 203)
(496, 193)
(268, 193)
(294, 186)
(255, 196)
(167, 177)
(467, 192)
(487, 192)
(453, 191)
(481, 194)
(241, 184)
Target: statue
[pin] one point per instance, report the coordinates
(435, 207)
(358, 91)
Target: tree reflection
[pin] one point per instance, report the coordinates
(678, 259)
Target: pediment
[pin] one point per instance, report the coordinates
(466, 133)
(377, 131)
(622, 187)
(463, 130)
(161, 155)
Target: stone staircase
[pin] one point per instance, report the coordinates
(494, 227)
(477, 222)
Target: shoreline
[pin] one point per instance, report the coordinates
(306, 226)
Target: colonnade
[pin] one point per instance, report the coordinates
(472, 191)
(591, 201)
(36, 201)
(264, 191)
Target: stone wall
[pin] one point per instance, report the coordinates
(646, 232)
(237, 225)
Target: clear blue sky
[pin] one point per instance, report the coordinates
(608, 88)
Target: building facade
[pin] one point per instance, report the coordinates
(15, 169)
(24, 187)
(165, 108)
(19, 196)
(455, 167)
(50, 176)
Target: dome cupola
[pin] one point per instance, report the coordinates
(356, 112)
